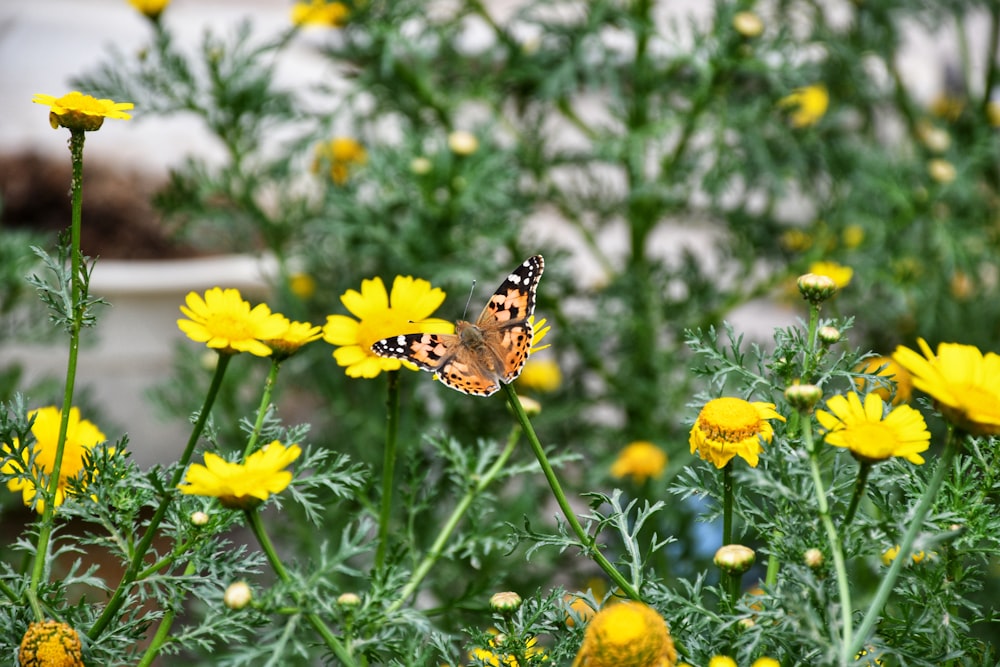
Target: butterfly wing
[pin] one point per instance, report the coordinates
(427, 351)
(504, 321)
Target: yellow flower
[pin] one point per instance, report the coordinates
(242, 485)
(639, 460)
(294, 337)
(964, 383)
(901, 384)
(796, 240)
(379, 316)
(302, 285)
(81, 437)
(540, 375)
(320, 13)
(993, 113)
(840, 274)
(765, 662)
(341, 154)
(729, 426)
(539, 330)
(721, 661)
(76, 111)
(809, 103)
(225, 322)
(50, 644)
(496, 655)
(150, 8)
(853, 236)
(869, 433)
(628, 634)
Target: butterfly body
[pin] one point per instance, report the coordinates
(479, 356)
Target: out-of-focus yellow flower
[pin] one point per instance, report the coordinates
(899, 377)
(796, 240)
(964, 383)
(721, 661)
(541, 375)
(150, 8)
(302, 285)
(840, 274)
(934, 138)
(627, 634)
(320, 13)
(639, 460)
(853, 236)
(748, 24)
(961, 285)
(808, 104)
(462, 142)
(941, 170)
(727, 427)
(993, 113)
(242, 485)
(341, 155)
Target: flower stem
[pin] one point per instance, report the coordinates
(118, 599)
(388, 464)
(434, 553)
(76, 141)
(833, 538)
(915, 524)
(334, 644)
(265, 403)
(588, 542)
(163, 631)
(727, 503)
(859, 491)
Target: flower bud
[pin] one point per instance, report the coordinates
(734, 558)
(941, 171)
(748, 24)
(199, 519)
(803, 397)
(813, 558)
(349, 599)
(816, 288)
(828, 335)
(238, 595)
(463, 143)
(421, 166)
(506, 601)
(530, 405)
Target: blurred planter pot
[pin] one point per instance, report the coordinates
(132, 347)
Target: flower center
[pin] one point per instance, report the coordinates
(729, 420)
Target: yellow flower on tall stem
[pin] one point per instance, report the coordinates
(225, 322)
(840, 274)
(151, 9)
(381, 315)
(320, 13)
(341, 155)
(81, 437)
(869, 433)
(540, 374)
(964, 383)
(727, 427)
(78, 112)
(640, 461)
(242, 485)
(294, 337)
(627, 634)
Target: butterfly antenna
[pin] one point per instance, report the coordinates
(465, 313)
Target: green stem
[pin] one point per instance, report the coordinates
(434, 553)
(163, 631)
(589, 543)
(839, 566)
(265, 403)
(118, 599)
(859, 491)
(76, 142)
(334, 644)
(915, 524)
(771, 577)
(727, 503)
(388, 464)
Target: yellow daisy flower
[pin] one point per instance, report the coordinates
(294, 337)
(81, 437)
(721, 661)
(964, 383)
(809, 104)
(320, 13)
(869, 433)
(76, 111)
(381, 315)
(242, 485)
(840, 274)
(729, 426)
(627, 634)
(150, 8)
(884, 367)
(225, 322)
(639, 460)
(50, 644)
(496, 656)
(540, 374)
(765, 662)
(340, 154)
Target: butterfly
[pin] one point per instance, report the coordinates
(478, 357)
